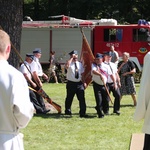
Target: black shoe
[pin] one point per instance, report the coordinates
(117, 112)
(84, 116)
(46, 111)
(68, 113)
(100, 116)
(43, 112)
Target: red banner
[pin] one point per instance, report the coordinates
(87, 59)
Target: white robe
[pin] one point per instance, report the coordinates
(16, 110)
(143, 103)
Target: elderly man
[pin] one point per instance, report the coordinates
(75, 84)
(100, 73)
(16, 110)
(36, 68)
(36, 99)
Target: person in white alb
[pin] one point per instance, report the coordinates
(75, 84)
(16, 110)
(100, 73)
(142, 110)
(110, 83)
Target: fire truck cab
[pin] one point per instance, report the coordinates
(134, 39)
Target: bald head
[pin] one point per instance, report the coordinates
(4, 44)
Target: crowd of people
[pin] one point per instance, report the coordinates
(108, 76)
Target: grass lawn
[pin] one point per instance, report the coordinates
(58, 132)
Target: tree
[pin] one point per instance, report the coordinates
(11, 15)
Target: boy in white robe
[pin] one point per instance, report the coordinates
(143, 103)
(16, 110)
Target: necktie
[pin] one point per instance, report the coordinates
(76, 71)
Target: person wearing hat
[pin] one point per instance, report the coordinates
(36, 67)
(35, 98)
(111, 84)
(100, 73)
(74, 84)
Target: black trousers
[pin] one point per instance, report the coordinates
(37, 101)
(146, 142)
(78, 89)
(116, 94)
(101, 97)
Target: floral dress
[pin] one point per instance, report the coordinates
(127, 82)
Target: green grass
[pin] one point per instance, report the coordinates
(58, 132)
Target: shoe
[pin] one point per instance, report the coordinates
(46, 111)
(100, 116)
(84, 116)
(68, 113)
(43, 112)
(117, 112)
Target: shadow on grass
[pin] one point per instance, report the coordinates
(127, 105)
(111, 106)
(60, 116)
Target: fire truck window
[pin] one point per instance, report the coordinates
(113, 35)
(106, 35)
(119, 34)
(139, 35)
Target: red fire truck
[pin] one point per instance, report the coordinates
(63, 38)
(133, 39)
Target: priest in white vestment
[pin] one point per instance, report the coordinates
(143, 104)
(16, 110)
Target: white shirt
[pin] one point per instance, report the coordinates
(16, 110)
(143, 102)
(113, 69)
(24, 70)
(96, 78)
(71, 71)
(36, 66)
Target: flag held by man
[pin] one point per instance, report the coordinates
(87, 59)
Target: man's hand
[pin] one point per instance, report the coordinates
(45, 76)
(102, 78)
(115, 85)
(119, 84)
(85, 85)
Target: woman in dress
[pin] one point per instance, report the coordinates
(126, 70)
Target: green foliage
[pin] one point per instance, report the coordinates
(122, 11)
(59, 132)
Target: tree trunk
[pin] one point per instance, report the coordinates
(11, 14)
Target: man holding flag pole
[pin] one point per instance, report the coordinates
(87, 59)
